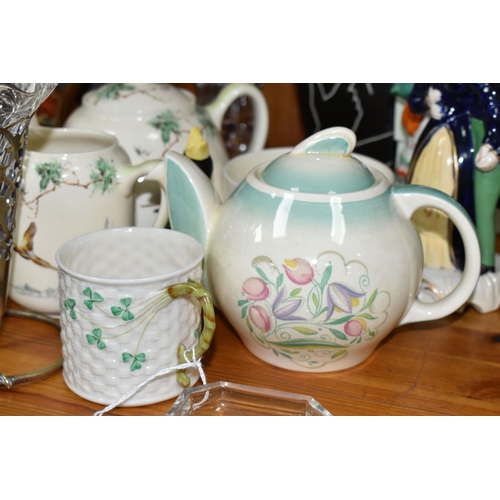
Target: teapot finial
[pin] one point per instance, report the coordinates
(334, 140)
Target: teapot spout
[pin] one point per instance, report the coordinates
(189, 195)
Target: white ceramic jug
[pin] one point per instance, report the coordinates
(74, 182)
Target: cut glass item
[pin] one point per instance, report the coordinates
(228, 399)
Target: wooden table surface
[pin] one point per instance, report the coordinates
(445, 367)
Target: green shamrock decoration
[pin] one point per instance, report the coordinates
(69, 305)
(96, 338)
(125, 313)
(135, 364)
(91, 298)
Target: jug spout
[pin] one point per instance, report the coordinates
(191, 199)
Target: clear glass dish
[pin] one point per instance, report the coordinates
(228, 399)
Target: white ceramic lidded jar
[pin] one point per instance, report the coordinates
(314, 259)
(150, 119)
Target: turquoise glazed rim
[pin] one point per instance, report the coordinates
(322, 164)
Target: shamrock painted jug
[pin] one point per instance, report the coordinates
(313, 259)
(149, 119)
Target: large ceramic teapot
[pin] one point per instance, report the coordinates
(149, 119)
(314, 259)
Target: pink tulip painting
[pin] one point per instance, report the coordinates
(259, 317)
(311, 314)
(299, 271)
(255, 289)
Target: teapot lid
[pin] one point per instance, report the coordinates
(321, 164)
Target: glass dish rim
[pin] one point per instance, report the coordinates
(172, 412)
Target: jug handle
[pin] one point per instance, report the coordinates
(411, 198)
(218, 107)
(133, 174)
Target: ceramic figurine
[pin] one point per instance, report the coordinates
(458, 153)
(313, 258)
(407, 129)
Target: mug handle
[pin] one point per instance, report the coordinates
(410, 199)
(218, 107)
(196, 291)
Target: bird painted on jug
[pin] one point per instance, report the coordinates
(26, 251)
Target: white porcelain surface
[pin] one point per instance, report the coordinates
(117, 326)
(314, 259)
(151, 119)
(74, 182)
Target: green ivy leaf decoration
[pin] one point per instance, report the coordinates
(205, 121)
(50, 172)
(123, 312)
(112, 92)
(96, 337)
(167, 124)
(295, 291)
(69, 305)
(103, 175)
(91, 298)
(136, 360)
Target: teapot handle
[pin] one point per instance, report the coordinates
(410, 199)
(218, 107)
